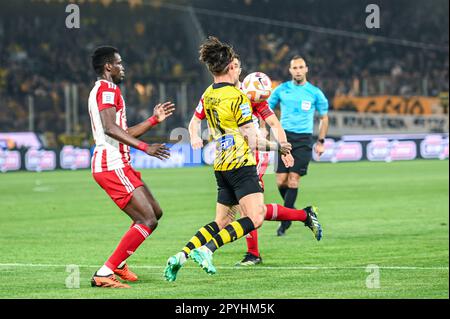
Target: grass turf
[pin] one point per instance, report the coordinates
(393, 215)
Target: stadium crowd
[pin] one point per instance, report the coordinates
(39, 56)
(339, 63)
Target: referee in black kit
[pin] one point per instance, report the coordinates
(298, 100)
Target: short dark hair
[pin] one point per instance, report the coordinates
(216, 55)
(101, 56)
(298, 57)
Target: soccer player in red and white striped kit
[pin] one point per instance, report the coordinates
(111, 167)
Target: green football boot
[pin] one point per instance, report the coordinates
(203, 257)
(312, 222)
(174, 264)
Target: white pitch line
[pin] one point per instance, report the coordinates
(236, 268)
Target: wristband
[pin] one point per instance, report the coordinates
(153, 120)
(278, 149)
(321, 140)
(142, 146)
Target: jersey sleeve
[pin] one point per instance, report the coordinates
(200, 110)
(274, 98)
(262, 110)
(107, 96)
(321, 103)
(242, 110)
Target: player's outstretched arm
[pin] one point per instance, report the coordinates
(161, 112)
(280, 135)
(276, 127)
(108, 117)
(194, 132)
(259, 143)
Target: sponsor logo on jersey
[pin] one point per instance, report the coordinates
(245, 109)
(225, 142)
(108, 97)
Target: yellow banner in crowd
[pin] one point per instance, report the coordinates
(388, 104)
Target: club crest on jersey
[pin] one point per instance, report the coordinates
(245, 109)
(225, 142)
(306, 105)
(108, 97)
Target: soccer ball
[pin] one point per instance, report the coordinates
(257, 86)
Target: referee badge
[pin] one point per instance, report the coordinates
(306, 105)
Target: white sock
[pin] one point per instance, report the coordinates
(182, 257)
(206, 249)
(104, 271)
(122, 264)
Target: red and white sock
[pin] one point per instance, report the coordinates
(132, 239)
(252, 243)
(280, 213)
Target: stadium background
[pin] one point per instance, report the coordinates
(387, 87)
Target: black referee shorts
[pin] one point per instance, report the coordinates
(234, 184)
(301, 151)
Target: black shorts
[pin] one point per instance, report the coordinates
(234, 184)
(301, 151)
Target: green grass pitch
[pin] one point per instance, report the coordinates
(392, 215)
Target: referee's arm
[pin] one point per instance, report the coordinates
(323, 130)
(322, 108)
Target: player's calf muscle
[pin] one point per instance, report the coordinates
(253, 207)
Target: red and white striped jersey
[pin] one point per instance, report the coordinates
(109, 154)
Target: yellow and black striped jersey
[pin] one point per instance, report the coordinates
(226, 109)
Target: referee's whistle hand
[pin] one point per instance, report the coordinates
(319, 149)
(285, 148)
(288, 160)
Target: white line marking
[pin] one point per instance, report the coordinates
(235, 268)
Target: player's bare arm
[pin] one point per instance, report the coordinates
(161, 112)
(111, 129)
(194, 132)
(323, 129)
(257, 142)
(280, 135)
(262, 128)
(275, 126)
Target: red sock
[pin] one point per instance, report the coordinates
(132, 239)
(252, 243)
(278, 212)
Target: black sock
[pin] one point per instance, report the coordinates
(201, 237)
(289, 202)
(282, 190)
(291, 197)
(230, 233)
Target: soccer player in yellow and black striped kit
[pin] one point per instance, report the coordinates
(229, 115)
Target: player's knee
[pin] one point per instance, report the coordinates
(151, 222)
(158, 212)
(293, 181)
(282, 181)
(292, 184)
